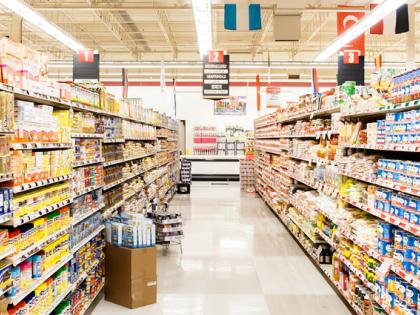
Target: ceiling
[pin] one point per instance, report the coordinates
(128, 30)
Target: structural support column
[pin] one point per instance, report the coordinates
(411, 38)
(16, 29)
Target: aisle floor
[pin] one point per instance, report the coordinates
(238, 259)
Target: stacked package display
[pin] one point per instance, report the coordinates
(168, 226)
(205, 140)
(246, 169)
(131, 230)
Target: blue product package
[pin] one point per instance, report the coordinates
(386, 231)
(379, 288)
(414, 204)
(412, 296)
(407, 266)
(407, 215)
(36, 266)
(393, 210)
(385, 248)
(410, 241)
(414, 218)
(399, 256)
(390, 299)
(399, 239)
(392, 165)
(15, 275)
(381, 173)
(381, 164)
(410, 255)
(2, 203)
(402, 290)
(400, 212)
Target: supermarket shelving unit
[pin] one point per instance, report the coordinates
(270, 141)
(167, 169)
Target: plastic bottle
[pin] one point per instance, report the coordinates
(15, 274)
(25, 274)
(37, 266)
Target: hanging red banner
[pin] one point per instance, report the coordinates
(345, 20)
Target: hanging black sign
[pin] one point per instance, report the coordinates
(350, 71)
(216, 77)
(86, 66)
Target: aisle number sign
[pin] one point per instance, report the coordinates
(216, 56)
(86, 56)
(351, 57)
(216, 75)
(86, 66)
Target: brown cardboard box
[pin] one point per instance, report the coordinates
(130, 275)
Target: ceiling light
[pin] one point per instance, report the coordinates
(39, 21)
(202, 17)
(380, 12)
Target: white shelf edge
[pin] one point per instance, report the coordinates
(87, 239)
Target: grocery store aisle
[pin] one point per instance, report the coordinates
(238, 259)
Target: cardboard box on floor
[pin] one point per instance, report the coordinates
(130, 275)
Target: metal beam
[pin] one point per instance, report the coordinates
(260, 36)
(114, 26)
(163, 22)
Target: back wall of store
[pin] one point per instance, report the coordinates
(197, 111)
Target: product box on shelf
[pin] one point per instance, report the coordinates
(131, 276)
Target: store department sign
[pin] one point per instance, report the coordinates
(86, 66)
(233, 106)
(351, 60)
(273, 97)
(215, 75)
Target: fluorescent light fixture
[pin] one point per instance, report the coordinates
(39, 21)
(202, 17)
(380, 12)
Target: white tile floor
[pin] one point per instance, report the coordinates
(238, 259)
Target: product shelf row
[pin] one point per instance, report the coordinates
(87, 239)
(29, 96)
(19, 257)
(392, 108)
(78, 219)
(16, 221)
(321, 267)
(37, 282)
(40, 145)
(131, 158)
(384, 216)
(40, 183)
(10, 255)
(384, 147)
(382, 183)
(88, 162)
